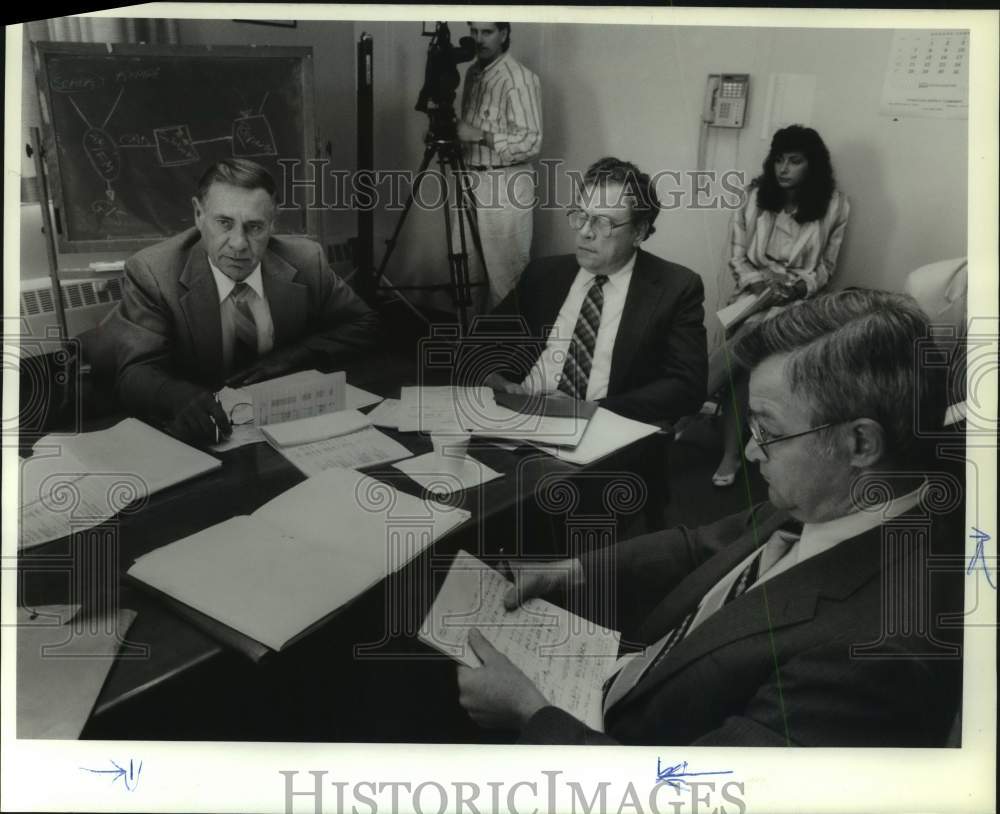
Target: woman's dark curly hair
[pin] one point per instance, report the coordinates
(817, 188)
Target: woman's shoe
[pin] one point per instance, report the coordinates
(724, 479)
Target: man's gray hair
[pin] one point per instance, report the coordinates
(856, 354)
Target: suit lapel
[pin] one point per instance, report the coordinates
(641, 302)
(787, 599)
(200, 304)
(287, 300)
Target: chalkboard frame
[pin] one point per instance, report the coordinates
(130, 245)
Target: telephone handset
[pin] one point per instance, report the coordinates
(726, 99)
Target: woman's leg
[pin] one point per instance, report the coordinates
(734, 405)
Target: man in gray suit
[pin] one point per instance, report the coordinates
(226, 302)
(811, 619)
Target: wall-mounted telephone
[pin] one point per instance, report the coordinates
(726, 99)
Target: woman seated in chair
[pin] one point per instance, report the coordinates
(784, 241)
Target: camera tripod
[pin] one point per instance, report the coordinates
(452, 164)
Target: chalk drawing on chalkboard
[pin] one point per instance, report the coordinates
(174, 145)
(252, 136)
(103, 153)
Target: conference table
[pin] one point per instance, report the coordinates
(362, 675)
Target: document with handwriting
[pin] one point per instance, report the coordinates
(366, 447)
(566, 656)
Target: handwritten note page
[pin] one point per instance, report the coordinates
(367, 447)
(567, 657)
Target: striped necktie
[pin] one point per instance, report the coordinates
(245, 325)
(622, 683)
(580, 355)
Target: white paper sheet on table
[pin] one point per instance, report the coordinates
(61, 670)
(442, 409)
(366, 447)
(429, 473)
(80, 481)
(606, 433)
(386, 414)
(567, 657)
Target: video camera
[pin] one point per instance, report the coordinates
(441, 80)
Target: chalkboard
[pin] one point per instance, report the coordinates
(133, 127)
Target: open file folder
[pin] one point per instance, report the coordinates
(275, 575)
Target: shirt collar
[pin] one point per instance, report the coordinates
(615, 278)
(494, 64)
(817, 537)
(225, 285)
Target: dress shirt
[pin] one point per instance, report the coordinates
(258, 306)
(504, 99)
(544, 376)
(815, 539)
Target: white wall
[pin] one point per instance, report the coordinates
(636, 92)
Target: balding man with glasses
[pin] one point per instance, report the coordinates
(610, 323)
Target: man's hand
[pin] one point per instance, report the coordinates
(201, 421)
(537, 580)
(497, 382)
(496, 695)
(466, 132)
(276, 363)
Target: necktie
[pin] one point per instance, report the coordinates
(777, 546)
(580, 355)
(245, 339)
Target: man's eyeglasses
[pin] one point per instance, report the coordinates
(241, 413)
(763, 439)
(601, 224)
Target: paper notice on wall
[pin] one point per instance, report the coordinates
(927, 75)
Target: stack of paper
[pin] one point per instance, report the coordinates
(333, 440)
(75, 482)
(275, 574)
(606, 433)
(287, 398)
(567, 657)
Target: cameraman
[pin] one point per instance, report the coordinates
(501, 128)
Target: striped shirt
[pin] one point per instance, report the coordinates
(504, 99)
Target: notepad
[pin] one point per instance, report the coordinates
(75, 482)
(606, 433)
(566, 656)
(276, 574)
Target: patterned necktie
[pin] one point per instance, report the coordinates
(580, 355)
(619, 685)
(245, 339)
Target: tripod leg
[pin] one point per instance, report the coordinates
(471, 204)
(391, 244)
(458, 261)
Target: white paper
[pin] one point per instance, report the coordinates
(61, 668)
(366, 447)
(496, 421)
(316, 428)
(358, 398)
(607, 433)
(446, 477)
(386, 414)
(436, 409)
(298, 395)
(567, 657)
(300, 556)
(732, 312)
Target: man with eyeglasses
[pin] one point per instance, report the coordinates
(627, 328)
(818, 618)
(225, 302)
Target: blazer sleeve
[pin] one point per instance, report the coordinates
(342, 324)
(138, 334)
(742, 227)
(680, 363)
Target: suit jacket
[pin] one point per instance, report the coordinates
(775, 666)
(163, 342)
(659, 362)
